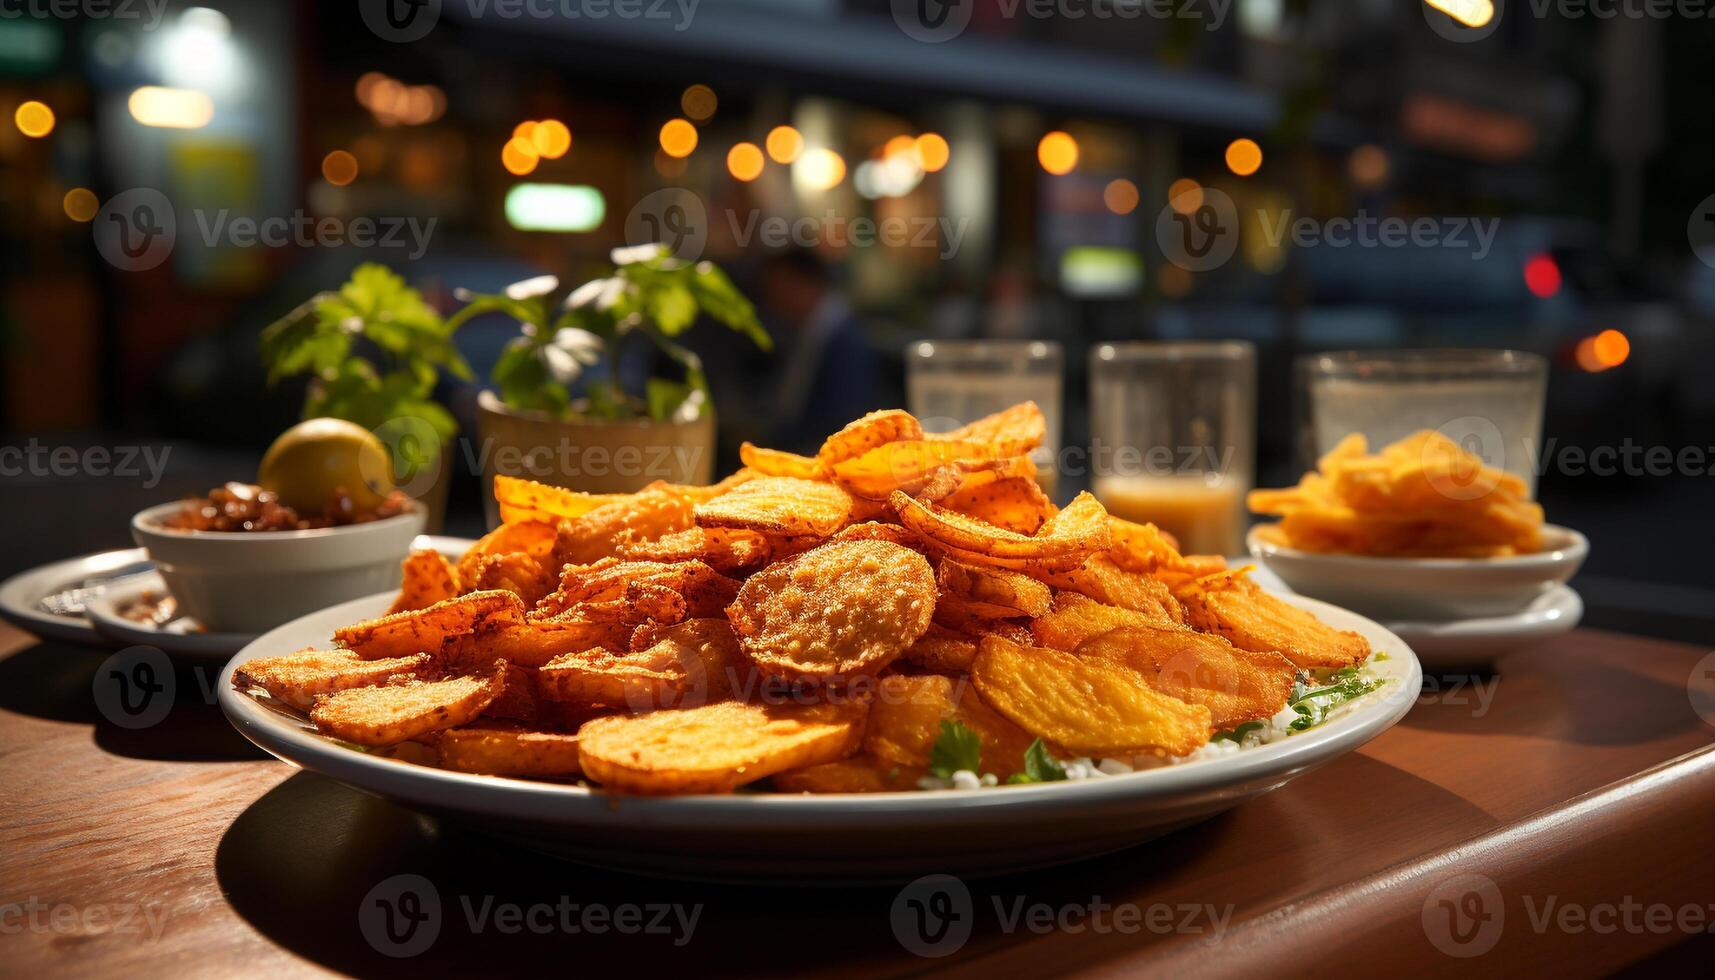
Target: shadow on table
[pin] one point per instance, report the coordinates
(144, 706)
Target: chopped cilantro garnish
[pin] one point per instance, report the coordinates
(1039, 766)
(1237, 734)
(957, 748)
(1344, 685)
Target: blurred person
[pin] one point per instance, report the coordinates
(826, 373)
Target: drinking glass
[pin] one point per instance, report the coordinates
(1488, 401)
(1173, 437)
(949, 383)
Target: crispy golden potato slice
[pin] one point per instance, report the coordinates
(942, 650)
(905, 722)
(1091, 706)
(534, 643)
(917, 467)
(428, 630)
(688, 664)
(534, 538)
(525, 576)
(717, 747)
(428, 578)
(650, 513)
(1107, 583)
(1075, 533)
(1008, 593)
(500, 749)
(1015, 503)
(397, 712)
(879, 531)
(1011, 432)
(518, 699)
(858, 774)
(703, 591)
(299, 678)
(779, 505)
(775, 462)
(726, 550)
(527, 500)
(846, 608)
(1075, 618)
(874, 429)
(1201, 668)
(1230, 604)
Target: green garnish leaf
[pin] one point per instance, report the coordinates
(1237, 734)
(1039, 767)
(957, 748)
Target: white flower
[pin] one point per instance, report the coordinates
(598, 293)
(529, 288)
(691, 408)
(585, 347)
(637, 253)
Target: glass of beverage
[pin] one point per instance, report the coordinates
(949, 383)
(1173, 437)
(1488, 401)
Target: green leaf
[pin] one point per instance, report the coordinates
(1039, 766)
(957, 748)
(720, 299)
(664, 397)
(672, 308)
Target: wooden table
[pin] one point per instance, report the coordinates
(1580, 775)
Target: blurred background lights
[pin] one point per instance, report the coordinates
(80, 204)
(744, 161)
(819, 169)
(1608, 349)
(34, 119)
(519, 156)
(197, 51)
(1057, 152)
(1244, 157)
(1120, 196)
(699, 102)
(171, 108)
(555, 207)
(784, 144)
(1185, 195)
(393, 103)
(678, 138)
(339, 168)
(1471, 13)
(1368, 166)
(933, 152)
(1542, 276)
(552, 138)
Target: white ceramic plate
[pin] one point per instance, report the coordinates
(1478, 642)
(181, 636)
(1427, 589)
(21, 595)
(873, 837)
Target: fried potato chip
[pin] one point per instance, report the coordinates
(534, 538)
(1107, 583)
(774, 462)
(879, 531)
(905, 722)
(1076, 618)
(299, 678)
(1015, 503)
(1149, 550)
(846, 608)
(523, 575)
(1074, 533)
(689, 664)
(397, 712)
(917, 467)
(1201, 668)
(1011, 432)
(428, 578)
(779, 505)
(536, 642)
(1091, 706)
(704, 591)
(428, 630)
(1230, 604)
(942, 650)
(726, 550)
(518, 698)
(527, 500)
(862, 435)
(717, 747)
(498, 749)
(647, 514)
(858, 774)
(1011, 593)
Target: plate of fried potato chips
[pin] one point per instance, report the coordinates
(893, 657)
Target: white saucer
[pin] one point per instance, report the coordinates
(181, 636)
(1479, 642)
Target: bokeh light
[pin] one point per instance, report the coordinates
(34, 119)
(1244, 157)
(784, 144)
(1057, 152)
(171, 108)
(552, 139)
(1542, 276)
(1185, 195)
(699, 102)
(1120, 196)
(1612, 348)
(678, 137)
(933, 151)
(519, 156)
(1471, 13)
(339, 168)
(80, 204)
(820, 169)
(744, 161)
(1368, 165)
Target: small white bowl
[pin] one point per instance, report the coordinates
(251, 581)
(1436, 589)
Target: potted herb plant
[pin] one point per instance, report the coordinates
(560, 411)
(374, 350)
